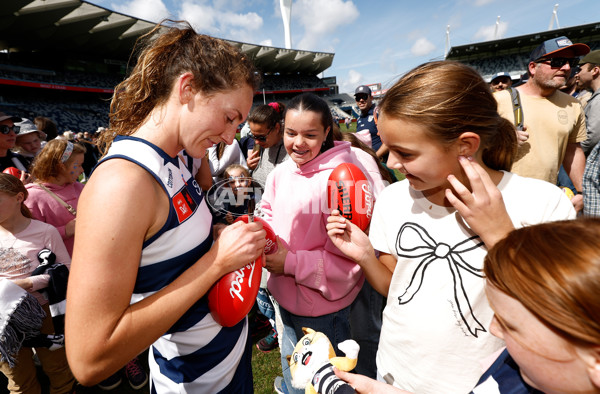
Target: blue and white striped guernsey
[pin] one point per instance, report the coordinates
(196, 355)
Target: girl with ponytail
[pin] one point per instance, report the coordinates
(145, 258)
(432, 230)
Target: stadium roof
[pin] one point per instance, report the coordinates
(82, 27)
(523, 44)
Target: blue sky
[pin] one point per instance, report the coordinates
(373, 40)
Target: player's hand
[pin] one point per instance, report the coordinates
(239, 244)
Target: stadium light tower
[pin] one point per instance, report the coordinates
(447, 41)
(286, 14)
(496, 29)
(553, 18)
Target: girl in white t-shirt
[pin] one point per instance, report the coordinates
(433, 230)
(543, 283)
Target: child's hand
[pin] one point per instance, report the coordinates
(26, 177)
(25, 284)
(348, 238)
(70, 228)
(365, 385)
(275, 262)
(483, 209)
(577, 202)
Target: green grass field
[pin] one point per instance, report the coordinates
(265, 368)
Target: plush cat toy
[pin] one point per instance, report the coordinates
(312, 362)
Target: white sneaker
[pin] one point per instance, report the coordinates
(280, 386)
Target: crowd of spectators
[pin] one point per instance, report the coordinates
(455, 184)
(515, 64)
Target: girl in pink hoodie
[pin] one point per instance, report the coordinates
(313, 282)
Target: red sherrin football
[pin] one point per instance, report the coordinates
(271, 246)
(349, 191)
(232, 297)
(13, 171)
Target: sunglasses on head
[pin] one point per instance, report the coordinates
(558, 62)
(359, 97)
(242, 178)
(260, 138)
(4, 129)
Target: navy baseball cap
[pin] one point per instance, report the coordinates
(363, 89)
(500, 74)
(556, 47)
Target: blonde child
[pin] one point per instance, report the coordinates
(433, 230)
(54, 195)
(235, 203)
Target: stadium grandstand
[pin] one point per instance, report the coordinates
(512, 54)
(62, 58)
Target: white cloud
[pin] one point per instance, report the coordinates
(349, 83)
(486, 33)
(152, 10)
(479, 3)
(320, 19)
(267, 42)
(204, 18)
(422, 47)
(224, 24)
(248, 21)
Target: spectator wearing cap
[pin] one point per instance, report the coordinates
(366, 128)
(29, 140)
(8, 139)
(588, 78)
(500, 81)
(554, 124)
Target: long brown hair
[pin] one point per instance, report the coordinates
(449, 98)
(553, 269)
(12, 186)
(165, 54)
